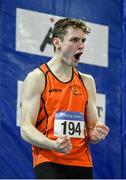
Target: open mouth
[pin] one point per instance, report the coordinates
(77, 55)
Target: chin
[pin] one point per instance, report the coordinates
(73, 65)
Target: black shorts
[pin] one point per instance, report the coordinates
(50, 170)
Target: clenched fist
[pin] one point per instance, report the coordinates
(63, 144)
(98, 133)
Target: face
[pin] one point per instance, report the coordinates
(72, 46)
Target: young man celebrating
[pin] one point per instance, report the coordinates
(59, 115)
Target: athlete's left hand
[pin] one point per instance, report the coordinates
(99, 132)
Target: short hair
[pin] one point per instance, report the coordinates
(61, 26)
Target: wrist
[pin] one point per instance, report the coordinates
(48, 144)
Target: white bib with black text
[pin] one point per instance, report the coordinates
(70, 124)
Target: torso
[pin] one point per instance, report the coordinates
(58, 97)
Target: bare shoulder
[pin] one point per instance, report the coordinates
(89, 83)
(35, 79)
(87, 78)
(36, 74)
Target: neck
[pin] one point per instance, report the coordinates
(60, 69)
(56, 64)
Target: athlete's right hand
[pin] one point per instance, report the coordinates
(63, 144)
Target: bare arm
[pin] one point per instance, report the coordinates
(33, 87)
(96, 130)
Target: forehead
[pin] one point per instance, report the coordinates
(74, 32)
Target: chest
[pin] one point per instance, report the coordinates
(71, 95)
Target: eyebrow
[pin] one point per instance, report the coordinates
(83, 39)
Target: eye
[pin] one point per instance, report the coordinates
(75, 39)
(83, 40)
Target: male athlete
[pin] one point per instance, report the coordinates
(59, 115)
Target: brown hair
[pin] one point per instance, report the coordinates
(61, 26)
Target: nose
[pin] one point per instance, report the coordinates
(81, 44)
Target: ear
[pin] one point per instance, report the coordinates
(56, 42)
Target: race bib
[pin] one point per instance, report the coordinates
(70, 124)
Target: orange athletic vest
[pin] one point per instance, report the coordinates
(59, 96)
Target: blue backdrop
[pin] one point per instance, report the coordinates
(110, 155)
